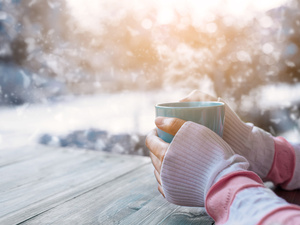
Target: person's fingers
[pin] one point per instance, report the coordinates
(156, 145)
(169, 125)
(161, 190)
(157, 176)
(196, 96)
(156, 162)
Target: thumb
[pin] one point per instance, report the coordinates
(169, 124)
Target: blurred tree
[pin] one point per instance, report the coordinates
(238, 58)
(21, 79)
(133, 50)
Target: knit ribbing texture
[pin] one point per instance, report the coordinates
(255, 144)
(196, 158)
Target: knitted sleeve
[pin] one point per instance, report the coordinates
(195, 159)
(217, 178)
(240, 198)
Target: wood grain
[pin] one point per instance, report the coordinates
(130, 199)
(43, 185)
(33, 186)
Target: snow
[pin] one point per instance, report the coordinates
(61, 63)
(127, 112)
(130, 112)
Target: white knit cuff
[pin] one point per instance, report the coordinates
(193, 162)
(236, 132)
(255, 144)
(262, 151)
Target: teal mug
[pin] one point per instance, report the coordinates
(209, 114)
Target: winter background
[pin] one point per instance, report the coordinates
(87, 74)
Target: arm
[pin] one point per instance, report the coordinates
(272, 158)
(199, 167)
(237, 199)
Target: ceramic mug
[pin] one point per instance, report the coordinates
(209, 114)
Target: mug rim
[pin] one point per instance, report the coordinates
(165, 105)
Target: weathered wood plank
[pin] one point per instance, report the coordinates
(48, 166)
(129, 199)
(64, 186)
(158, 211)
(12, 155)
(36, 169)
(48, 186)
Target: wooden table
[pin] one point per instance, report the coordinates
(43, 185)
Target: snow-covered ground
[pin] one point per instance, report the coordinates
(128, 112)
(132, 112)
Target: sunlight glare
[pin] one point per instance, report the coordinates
(165, 16)
(90, 13)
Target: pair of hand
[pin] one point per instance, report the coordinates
(199, 168)
(157, 146)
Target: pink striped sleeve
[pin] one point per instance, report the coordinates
(241, 198)
(222, 194)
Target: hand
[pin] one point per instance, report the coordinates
(195, 160)
(256, 145)
(158, 147)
